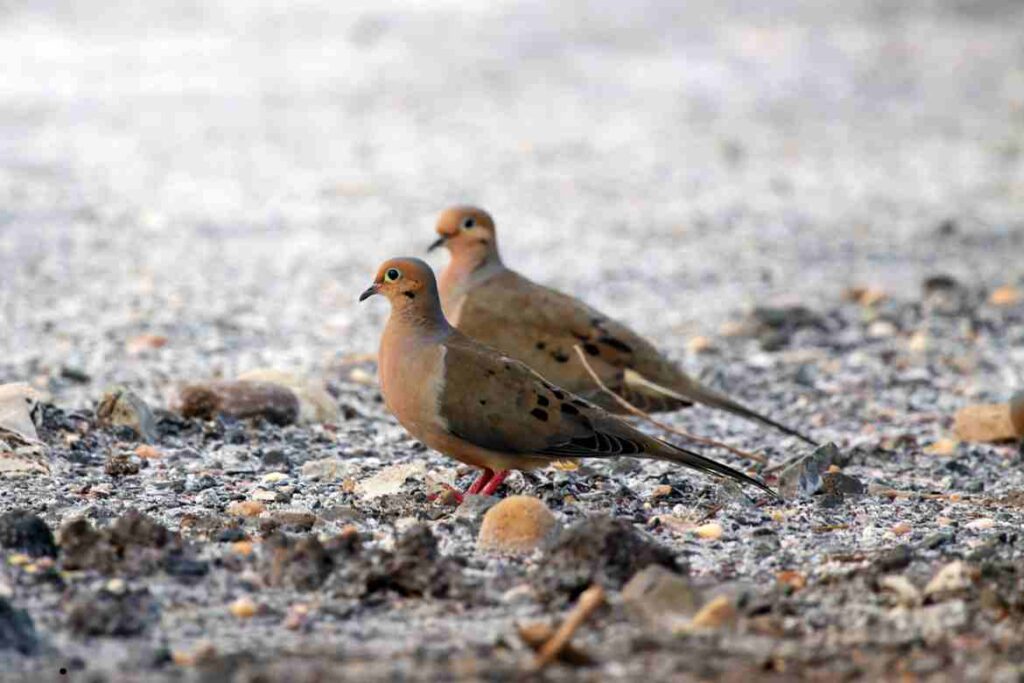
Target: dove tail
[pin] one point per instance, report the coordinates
(673, 453)
(698, 393)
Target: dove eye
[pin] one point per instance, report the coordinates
(468, 224)
(392, 274)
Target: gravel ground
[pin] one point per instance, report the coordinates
(226, 176)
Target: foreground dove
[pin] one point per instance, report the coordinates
(485, 409)
(540, 327)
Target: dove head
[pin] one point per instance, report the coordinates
(409, 285)
(467, 231)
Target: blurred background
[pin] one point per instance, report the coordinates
(228, 174)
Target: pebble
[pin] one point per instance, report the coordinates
(517, 525)
(243, 608)
(246, 508)
(1017, 413)
(716, 614)
(315, 404)
(238, 399)
(950, 579)
(900, 586)
(984, 423)
(389, 480)
(981, 523)
(122, 407)
(660, 598)
(709, 532)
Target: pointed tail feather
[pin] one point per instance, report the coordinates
(673, 453)
(710, 397)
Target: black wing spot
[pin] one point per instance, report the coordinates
(581, 337)
(616, 344)
(540, 414)
(541, 346)
(578, 402)
(410, 295)
(491, 373)
(570, 409)
(560, 356)
(483, 401)
(591, 349)
(558, 393)
(543, 401)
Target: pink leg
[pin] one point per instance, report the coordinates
(495, 481)
(481, 481)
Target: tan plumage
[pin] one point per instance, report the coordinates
(540, 326)
(479, 406)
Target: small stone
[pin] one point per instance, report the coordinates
(16, 401)
(243, 548)
(804, 477)
(120, 465)
(1017, 413)
(315, 404)
(901, 529)
(122, 407)
(716, 614)
(389, 480)
(297, 617)
(299, 519)
(239, 399)
(266, 496)
(517, 525)
(598, 549)
(243, 608)
(709, 532)
(881, 329)
(953, 578)
(981, 523)
(327, 469)
(700, 345)
(202, 653)
(984, 423)
(1007, 295)
(840, 484)
(659, 597)
(274, 477)
(906, 593)
(246, 508)
(661, 491)
(942, 447)
(147, 452)
(792, 579)
(17, 632)
(918, 342)
(361, 376)
(145, 342)
(25, 532)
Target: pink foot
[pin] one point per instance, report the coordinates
(480, 482)
(494, 482)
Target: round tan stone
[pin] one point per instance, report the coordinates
(515, 526)
(1017, 413)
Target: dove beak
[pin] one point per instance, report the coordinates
(439, 242)
(370, 291)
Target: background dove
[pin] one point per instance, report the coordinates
(540, 326)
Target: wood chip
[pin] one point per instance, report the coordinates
(588, 602)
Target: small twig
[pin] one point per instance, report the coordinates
(661, 425)
(589, 601)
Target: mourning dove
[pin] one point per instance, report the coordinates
(485, 409)
(540, 326)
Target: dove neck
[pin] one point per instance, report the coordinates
(418, 316)
(470, 267)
